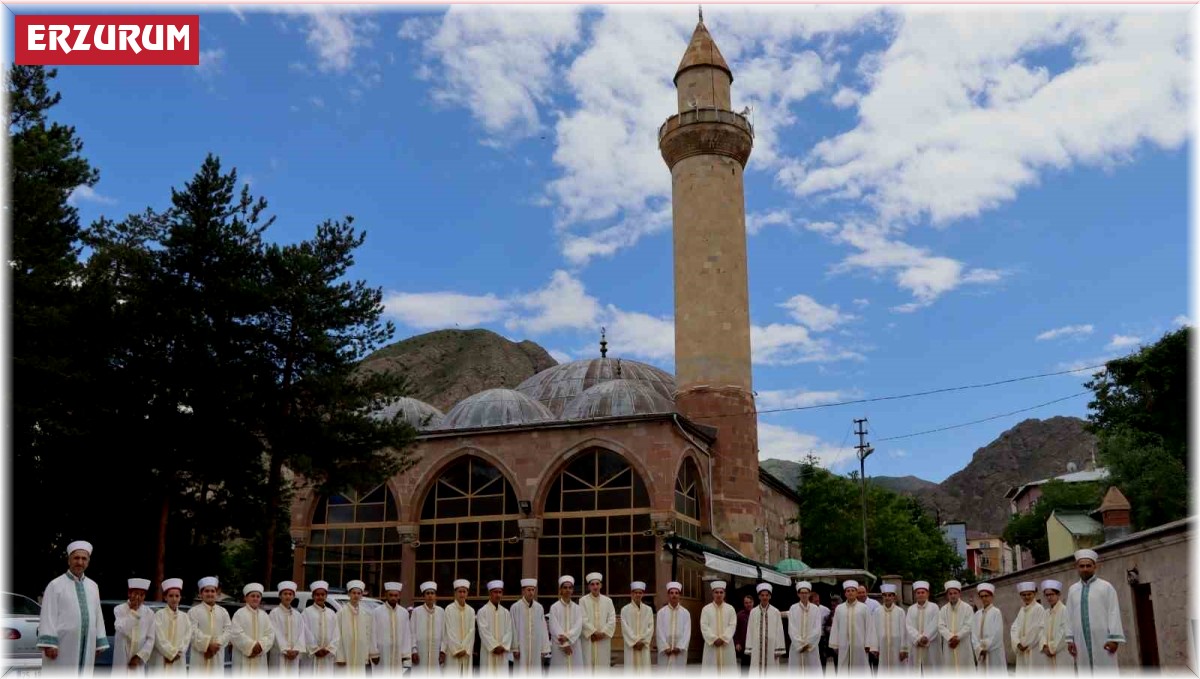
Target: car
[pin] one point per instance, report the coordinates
(19, 618)
(335, 600)
(21, 667)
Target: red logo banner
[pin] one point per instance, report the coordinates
(107, 40)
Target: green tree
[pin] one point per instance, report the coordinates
(1029, 530)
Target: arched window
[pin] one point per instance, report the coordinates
(597, 518)
(687, 502)
(469, 530)
(353, 538)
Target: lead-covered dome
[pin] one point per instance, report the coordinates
(615, 398)
(417, 413)
(495, 408)
(558, 386)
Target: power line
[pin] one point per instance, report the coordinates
(986, 419)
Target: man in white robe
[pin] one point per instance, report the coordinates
(133, 633)
(392, 630)
(765, 642)
(460, 632)
(852, 635)
(718, 623)
(566, 628)
(1027, 630)
(637, 630)
(804, 627)
(1094, 615)
(1055, 657)
(71, 630)
(987, 633)
(428, 632)
(356, 633)
(495, 632)
(321, 630)
(891, 634)
(531, 637)
(172, 632)
(673, 627)
(954, 624)
(210, 631)
(251, 633)
(922, 620)
(599, 625)
(290, 642)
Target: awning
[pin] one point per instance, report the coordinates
(775, 577)
(728, 562)
(835, 576)
(723, 565)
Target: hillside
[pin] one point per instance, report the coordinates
(1032, 450)
(445, 366)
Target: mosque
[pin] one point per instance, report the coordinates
(601, 464)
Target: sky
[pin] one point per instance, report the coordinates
(937, 197)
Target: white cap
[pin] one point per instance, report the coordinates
(764, 585)
(79, 544)
(207, 582)
(887, 589)
(636, 585)
(252, 587)
(1023, 587)
(392, 586)
(803, 584)
(849, 584)
(428, 585)
(172, 583)
(286, 584)
(717, 584)
(139, 583)
(921, 584)
(461, 582)
(1052, 584)
(674, 585)
(356, 584)
(318, 584)
(986, 587)
(566, 580)
(529, 582)
(953, 584)
(495, 584)
(593, 577)
(1087, 554)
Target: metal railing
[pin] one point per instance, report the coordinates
(705, 115)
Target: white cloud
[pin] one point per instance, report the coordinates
(212, 64)
(563, 303)
(757, 221)
(560, 356)
(86, 194)
(846, 97)
(1181, 320)
(784, 443)
(774, 399)
(1123, 342)
(1090, 363)
(317, 102)
(632, 333)
(785, 344)
(861, 302)
(430, 310)
(336, 37)
(813, 315)
(897, 454)
(1066, 331)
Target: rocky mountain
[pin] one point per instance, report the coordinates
(1032, 450)
(445, 366)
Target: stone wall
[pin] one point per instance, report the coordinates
(779, 513)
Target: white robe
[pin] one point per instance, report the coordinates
(599, 615)
(428, 638)
(852, 633)
(637, 624)
(1054, 640)
(72, 623)
(460, 636)
(251, 626)
(288, 624)
(891, 639)
(172, 635)
(922, 621)
(987, 634)
(356, 639)
(210, 624)
(392, 637)
(133, 634)
(956, 621)
(719, 623)
(804, 628)
(495, 632)
(1094, 616)
(1027, 629)
(765, 642)
(321, 633)
(673, 626)
(566, 620)
(530, 636)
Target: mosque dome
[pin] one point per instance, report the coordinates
(418, 413)
(614, 398)
(557, 387)
(495, 408)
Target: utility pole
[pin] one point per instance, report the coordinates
(864, 451)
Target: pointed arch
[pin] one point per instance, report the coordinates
(689, 500)
(352, 537)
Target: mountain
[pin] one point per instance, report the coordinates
(1031, 451)
(445, 366)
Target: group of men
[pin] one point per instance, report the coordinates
(576, 636)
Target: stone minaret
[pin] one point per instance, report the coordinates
(706, 145)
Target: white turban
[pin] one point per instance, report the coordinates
(953, 584)
(393, 586)
(566, 580)
(593, 577)
(529, 582)
(1087, 554)
(287, 584)
(717, 584)
(636, 585)
(319, 584)
(921, 584)
(887, 589)
(986, 587)
(764, 586)
(1023, 587)
(252, 587)
(172, 583)
(849, 584)
(803, 584)
(79, 544)
(207, 582)
(495, 584)
(356, 584)
(1052, 584)
(428, 585)
(674, 585)
(461, 582)
(139, 583)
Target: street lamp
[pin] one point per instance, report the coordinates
(863, 454)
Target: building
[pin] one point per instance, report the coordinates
(988, 555)
(1022, 498)
(601, 464)
(956, 534)
(1068, 531)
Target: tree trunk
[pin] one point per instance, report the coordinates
(160, 557)
(274, 481)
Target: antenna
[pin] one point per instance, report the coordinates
(701, 8)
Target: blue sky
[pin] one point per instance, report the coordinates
(936, 198)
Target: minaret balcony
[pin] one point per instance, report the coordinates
(706, 131)
(704, 115)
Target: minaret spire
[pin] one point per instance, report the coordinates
(701, 7)
(603, 344)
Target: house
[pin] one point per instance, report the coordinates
(1022, 498)
(988, 555)
(1068, 531)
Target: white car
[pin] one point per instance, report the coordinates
(19, 617)
(335, 600)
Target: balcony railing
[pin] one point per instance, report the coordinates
(705, 115)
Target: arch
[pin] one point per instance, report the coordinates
(352, 536)
(565, 457)
(427, 480)
(688, 501)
